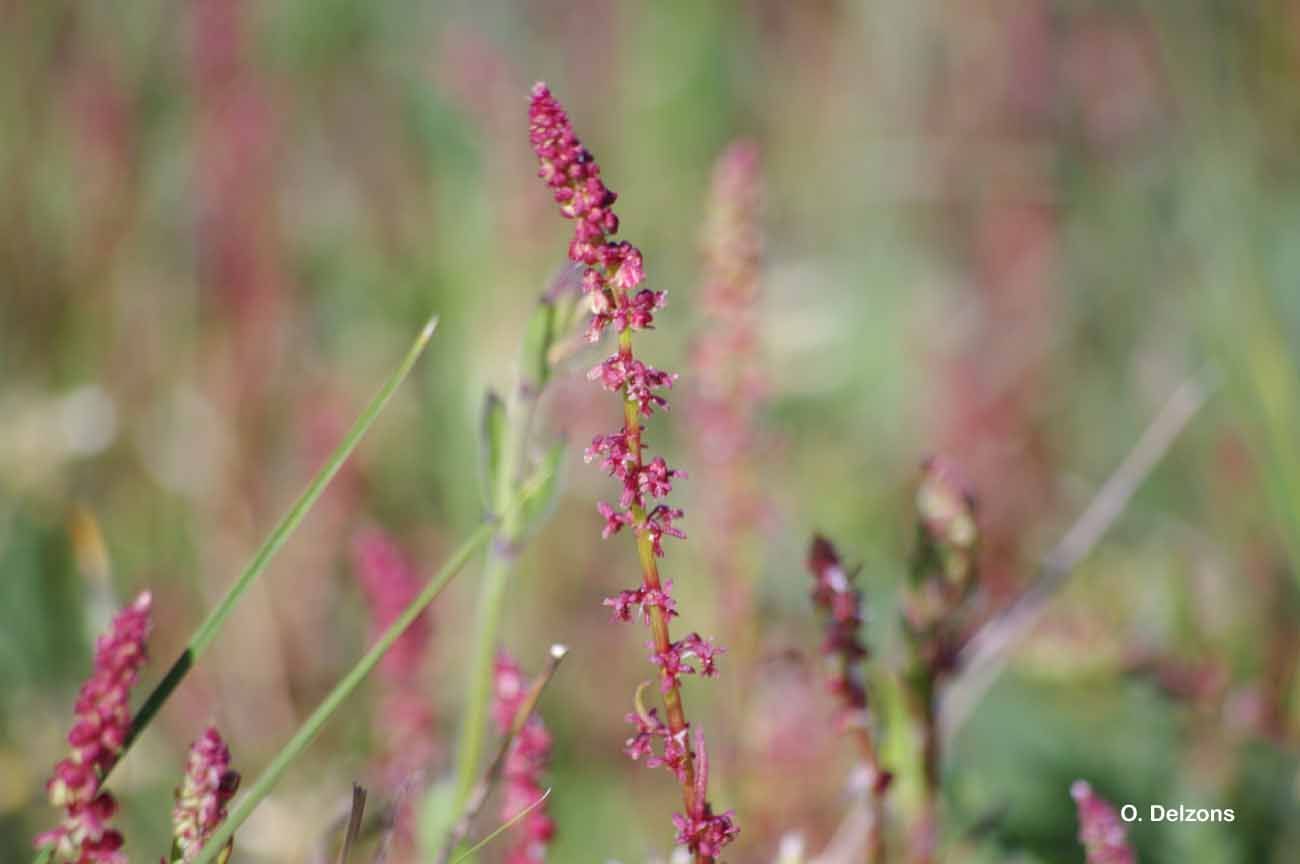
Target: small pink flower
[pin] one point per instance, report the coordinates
(658, 523)
(645, 598)
(614, 519)
(613, 451)
(648, 728)
(677, 660)
(99, 732)
(201, 801)
(638, 314)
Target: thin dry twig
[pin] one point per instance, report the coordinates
(478, 797)
(986, 653)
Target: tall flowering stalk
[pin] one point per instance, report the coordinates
(1100, 830)
(729, 385)
(527, 758)
(835, 594)
(98, 736)
(612, 274)
(201, 800)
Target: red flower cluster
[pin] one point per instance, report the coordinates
(529, 754)
(612, 274)
(103, 722)
(201, 801)
(1100, 830)
(833, 591)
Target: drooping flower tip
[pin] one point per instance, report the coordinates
(1101, 831)
(101, 725)
(201, 800)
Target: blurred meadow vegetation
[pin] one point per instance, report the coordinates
(1005, 232)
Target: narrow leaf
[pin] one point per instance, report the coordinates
(489, 838)
(207, 631)
(313, 725)
(540, 506)
(492, 444)
(535, 367)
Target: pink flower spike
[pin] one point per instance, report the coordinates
(1100, 830)
(613, 272)
(101, 726)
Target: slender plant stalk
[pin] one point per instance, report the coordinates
(331, 703)
(551, 321)
(207, 631)
(491, 601)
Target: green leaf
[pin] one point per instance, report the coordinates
(492, 444)
(537, 508)
(535, 366)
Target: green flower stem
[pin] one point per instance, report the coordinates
(313, 725)
(207, 631)
(491, 600)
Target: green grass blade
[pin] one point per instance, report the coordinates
(513, 819)
(313, 725)
(207, 631)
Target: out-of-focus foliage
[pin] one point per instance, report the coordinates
(1001, 231)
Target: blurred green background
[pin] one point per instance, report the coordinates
(1004, 231)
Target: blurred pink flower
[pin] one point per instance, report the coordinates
(529, 754)
(835, 594)
(208, 786)
(1100, 830)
